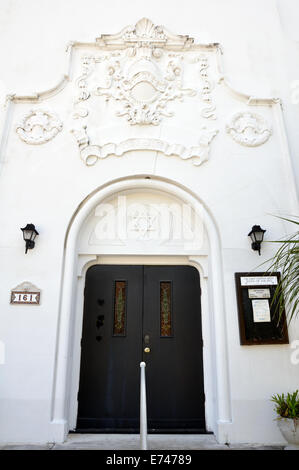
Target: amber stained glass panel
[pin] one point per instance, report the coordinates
(165, 309)
(119, 325)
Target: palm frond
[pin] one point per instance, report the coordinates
(286, 261)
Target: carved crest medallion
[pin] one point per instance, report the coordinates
(249, 129)
(38, 126)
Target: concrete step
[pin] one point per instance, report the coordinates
(132, 442)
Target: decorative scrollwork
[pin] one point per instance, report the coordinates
(38, 126)
(84, 93)
(208, 111)
(90, 154)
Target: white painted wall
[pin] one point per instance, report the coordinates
(44, 184)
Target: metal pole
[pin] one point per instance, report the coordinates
(143, 414)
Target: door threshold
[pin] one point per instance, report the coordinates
(137, 431)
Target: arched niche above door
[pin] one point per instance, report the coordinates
(143, 221)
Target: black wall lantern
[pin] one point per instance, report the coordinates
(257, 236)
(29, 235)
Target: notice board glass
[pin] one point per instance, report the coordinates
(258, 316)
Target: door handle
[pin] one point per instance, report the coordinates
(147, 350)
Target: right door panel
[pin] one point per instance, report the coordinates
(172, 332)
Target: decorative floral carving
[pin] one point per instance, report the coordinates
(249, 129)
(141, 69)
(141, 90)
(38, 126)
(90, 154)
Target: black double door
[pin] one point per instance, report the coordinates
(134, 314)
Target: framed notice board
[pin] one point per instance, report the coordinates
(258, 319)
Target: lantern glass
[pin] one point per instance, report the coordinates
(259, 236)
(33, 235)
(27, 234)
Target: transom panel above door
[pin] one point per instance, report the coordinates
(135, 313)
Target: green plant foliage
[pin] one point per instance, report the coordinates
(287, 406)
(286, 260)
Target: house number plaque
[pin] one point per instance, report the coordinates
(25, 293)
(25, 298)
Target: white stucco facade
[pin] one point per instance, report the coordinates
(157, 118)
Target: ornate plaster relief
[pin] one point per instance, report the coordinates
(142, 69)
(139, 72)
(145, 32)
(249, 129)
(143, 73)
(38, 126)
(132, 37)
(143, 90)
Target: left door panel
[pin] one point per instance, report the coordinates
(111, 342)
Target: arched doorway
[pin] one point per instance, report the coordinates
(81, 253)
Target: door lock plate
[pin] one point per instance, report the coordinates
(146, 339)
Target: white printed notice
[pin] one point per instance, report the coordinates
(261, 311)
(259, 281)
(259, 293)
